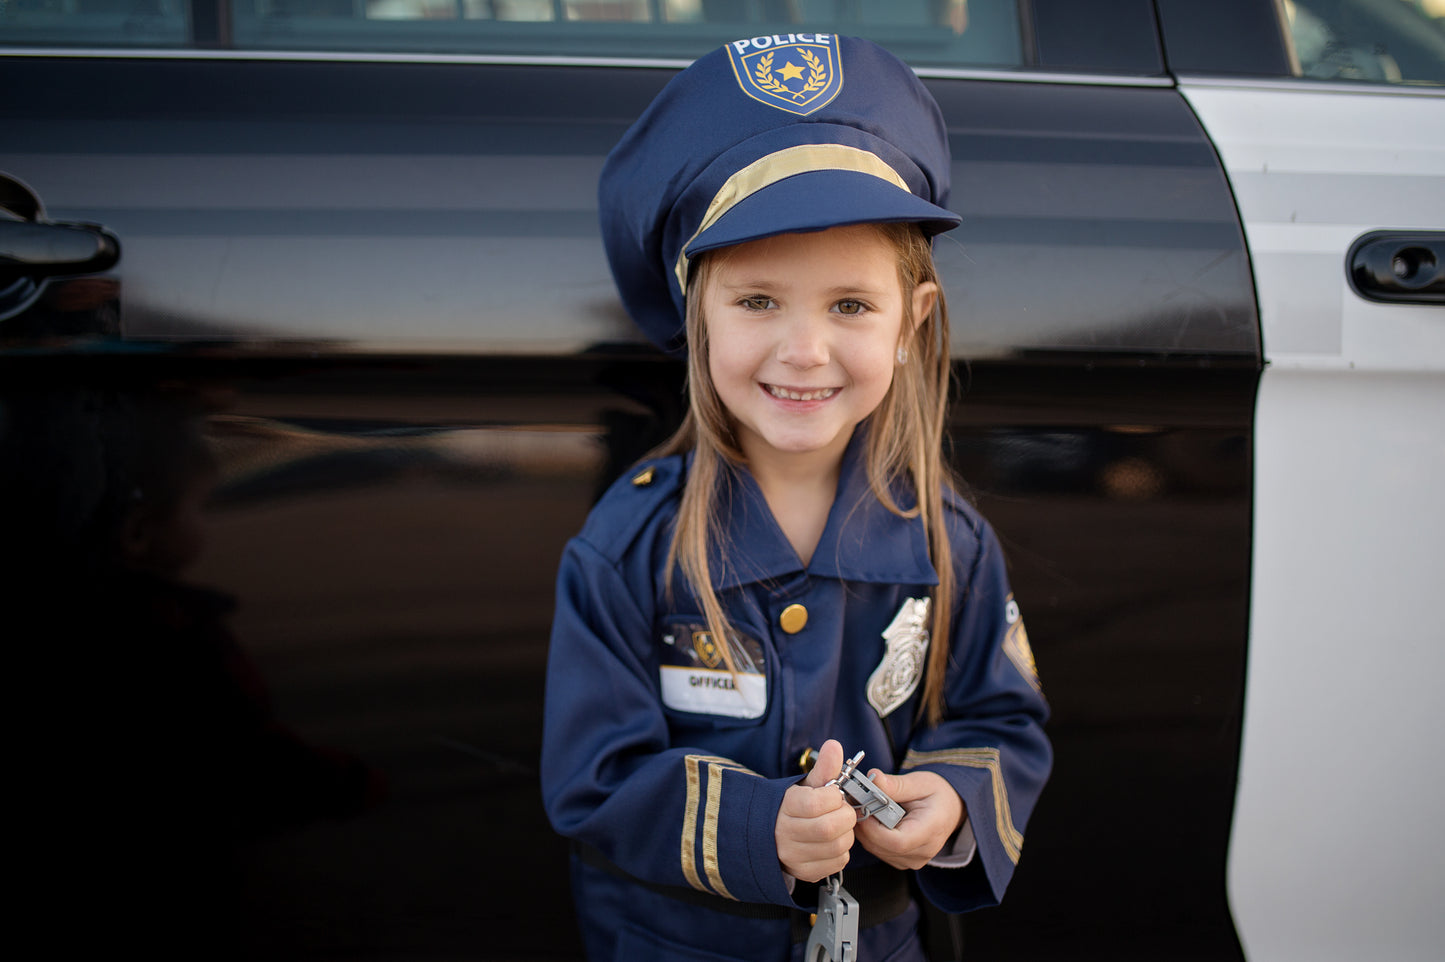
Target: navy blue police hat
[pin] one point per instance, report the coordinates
(771, 135)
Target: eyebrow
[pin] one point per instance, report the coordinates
(768, 283)
(847, 291)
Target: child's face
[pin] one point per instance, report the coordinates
(803, 332)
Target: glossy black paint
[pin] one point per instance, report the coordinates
(1096, 220)
(389, 527)
(381, 283)
(314, 200)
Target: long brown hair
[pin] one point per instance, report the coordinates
(905, 444)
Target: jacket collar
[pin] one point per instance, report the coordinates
(862, 541)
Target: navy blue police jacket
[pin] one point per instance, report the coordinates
(667, 767)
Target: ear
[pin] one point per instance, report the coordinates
(925, 297)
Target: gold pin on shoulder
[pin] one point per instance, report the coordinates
(642, 478)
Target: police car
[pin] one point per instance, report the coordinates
(1199, 318)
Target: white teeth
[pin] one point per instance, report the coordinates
(784, 393)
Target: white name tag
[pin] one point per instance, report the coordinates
(714, 692)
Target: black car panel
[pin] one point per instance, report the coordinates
(311, 200)
(380, 280)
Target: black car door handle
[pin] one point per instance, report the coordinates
(53, 249)
(1398, 266)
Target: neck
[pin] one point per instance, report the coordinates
(799, 490)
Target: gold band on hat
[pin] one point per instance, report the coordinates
(780, 165)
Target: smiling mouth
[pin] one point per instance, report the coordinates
(788, 394)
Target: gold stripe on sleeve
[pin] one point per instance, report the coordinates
(987, 759)
(709, 830)
(689, 821)
(715, 768)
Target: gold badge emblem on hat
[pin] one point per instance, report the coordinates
(898, 674)
(796, 72)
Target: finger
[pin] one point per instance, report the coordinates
(832, 825)
(906, 836)
(912, 787)
(828, 765)
(892, 785)
(818, 869)
(900, 852)
(906, 788)
(800, 801)
(874, 833)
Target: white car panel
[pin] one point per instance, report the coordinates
(1336, 850)
(1312, 170)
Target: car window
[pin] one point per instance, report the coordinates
(1382, 41)
(932, 32)
(95, 23)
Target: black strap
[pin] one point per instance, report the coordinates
(881, 891)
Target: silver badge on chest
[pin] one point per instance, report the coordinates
(897, 675)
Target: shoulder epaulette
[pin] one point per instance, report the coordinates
(632, 502)
(961, 505)
(969, 530)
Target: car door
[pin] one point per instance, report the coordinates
(362, 238)
(1339, 173)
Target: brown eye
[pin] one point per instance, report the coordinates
(757, 302)
(851, 307)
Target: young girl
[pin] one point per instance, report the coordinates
(792, 577)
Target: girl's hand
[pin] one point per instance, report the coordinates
(934, 810)
(814, 830)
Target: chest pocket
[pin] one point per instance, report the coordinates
(695, 679)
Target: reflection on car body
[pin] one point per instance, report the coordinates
(362, 237)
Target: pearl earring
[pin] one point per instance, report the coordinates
(902, 354)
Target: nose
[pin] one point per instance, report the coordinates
(804, 343)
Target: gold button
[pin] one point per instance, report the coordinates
(643, 478)
(807, 760)
(793, 618)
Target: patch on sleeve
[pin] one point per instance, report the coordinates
(1016, 645)
(694, 675)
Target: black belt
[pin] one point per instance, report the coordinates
(881, 891)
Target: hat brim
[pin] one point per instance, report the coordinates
(815, 201)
